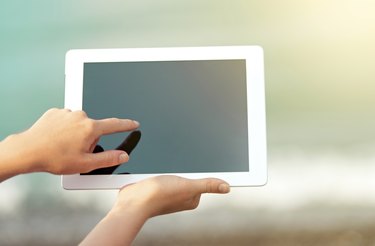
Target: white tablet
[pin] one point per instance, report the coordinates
(201, 112)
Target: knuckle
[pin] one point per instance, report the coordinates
(107, 159)
(80, 113)
(89, 126)
(209, 186)
(115, 121)
(112, 159)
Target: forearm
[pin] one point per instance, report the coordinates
(15, 158)
(119, 227)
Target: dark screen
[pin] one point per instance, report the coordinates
(192, 114)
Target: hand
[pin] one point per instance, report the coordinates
(62, 141)
(167, 194)
(151, 197)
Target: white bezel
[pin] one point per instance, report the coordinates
(253, 55)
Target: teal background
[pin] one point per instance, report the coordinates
(320, 90)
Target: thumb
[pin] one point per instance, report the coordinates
(212, 185)
(106, 158)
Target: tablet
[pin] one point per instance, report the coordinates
(201, 112)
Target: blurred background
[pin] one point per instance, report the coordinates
(320, 89)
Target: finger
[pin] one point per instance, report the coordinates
(212, 185)
(113, 125)
(106, 159)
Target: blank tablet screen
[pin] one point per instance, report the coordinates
(192, 114)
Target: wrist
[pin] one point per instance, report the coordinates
(123, 210)
(30, 152)
(16, 155)
(119, 227)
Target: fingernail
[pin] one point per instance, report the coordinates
(136, 122)
(124, 157)
(224, 188)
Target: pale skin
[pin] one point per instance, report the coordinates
(62, 141)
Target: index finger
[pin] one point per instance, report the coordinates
(113, 125)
